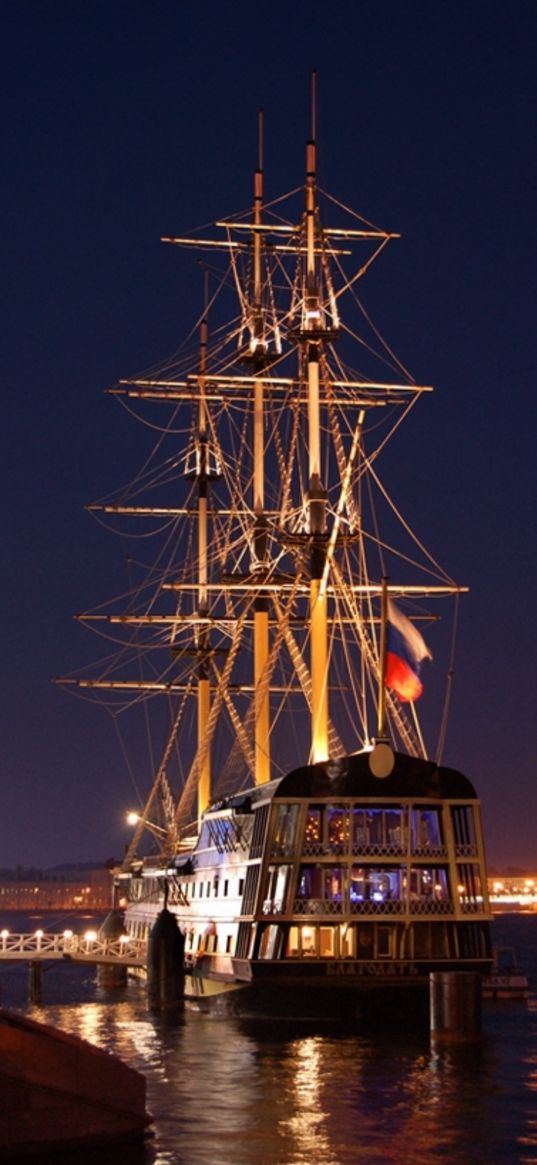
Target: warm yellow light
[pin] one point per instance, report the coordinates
(39, 933)
(461, 889)
(133, 818)
(123, 938)
(90, 936)
(67, 934)
(5, 934)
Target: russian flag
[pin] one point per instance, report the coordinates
(405, 650)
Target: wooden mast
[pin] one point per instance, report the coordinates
(259, 564)
(204, 687)
(316, 497)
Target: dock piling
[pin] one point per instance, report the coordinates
(455, 1005)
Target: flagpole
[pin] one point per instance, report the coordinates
(381, 710)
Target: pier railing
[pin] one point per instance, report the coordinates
(87, 948)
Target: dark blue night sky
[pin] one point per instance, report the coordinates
(123, 121)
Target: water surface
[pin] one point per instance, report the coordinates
(230, 1092)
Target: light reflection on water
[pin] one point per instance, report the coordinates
(230, 1092)
(226, 1093)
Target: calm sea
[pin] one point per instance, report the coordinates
(226, 1092)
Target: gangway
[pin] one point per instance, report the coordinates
(88, 948)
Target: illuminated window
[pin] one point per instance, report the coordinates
(347, 943)
(429, 884)
(333, 885)
(464, 828)
(375, 884)
(321, 882)
(327, 942)
(377, 828)
(470, 888)
(284, 831)
(302, 942)
(293, 947)
(313, 831)
(359, 829)
(375, 822)
(308, 941)
(338, 829)
(277, 883)
(425, 826)
(359, 888)
(271, 942)
(393, 821)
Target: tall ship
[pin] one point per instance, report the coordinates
(276, 637)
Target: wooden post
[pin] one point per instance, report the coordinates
(35, 982)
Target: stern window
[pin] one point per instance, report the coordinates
(283, 843)
(426, 833)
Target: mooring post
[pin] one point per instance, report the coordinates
(455, 1005)
(165, 967)
(35, 982)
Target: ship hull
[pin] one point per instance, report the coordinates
(366, 997)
